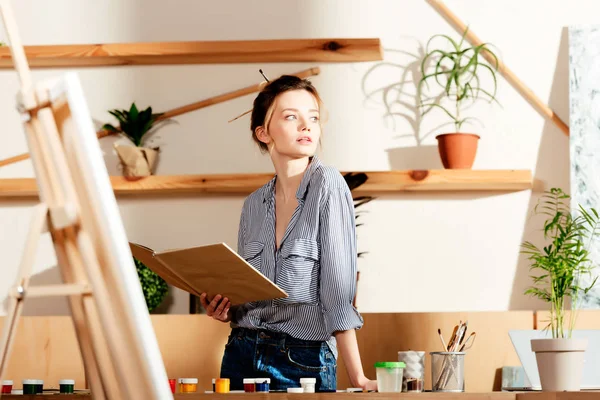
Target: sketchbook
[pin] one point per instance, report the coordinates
(211, 269)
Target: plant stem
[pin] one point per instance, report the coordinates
(457, 113)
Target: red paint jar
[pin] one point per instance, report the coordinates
(7, 386)
(249, 386)
(173, 384)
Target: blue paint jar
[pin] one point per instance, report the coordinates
(262, 384)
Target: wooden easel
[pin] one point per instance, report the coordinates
(115, 335)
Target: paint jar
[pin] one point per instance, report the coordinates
(29, 386)
(39, 386)
(414, 373)
(262, 384)
(7, 386)
(222, 385)
(213, 383)
(173, 385)
(67, 385)
(308, 384)
(295, 390)
(389, 376)
(249, 386)
(188, 385)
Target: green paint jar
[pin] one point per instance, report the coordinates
(39, 386)
(29, 386)
(67, 385)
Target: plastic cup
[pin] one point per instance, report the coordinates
(389, 376)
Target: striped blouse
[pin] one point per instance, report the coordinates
(315, 264)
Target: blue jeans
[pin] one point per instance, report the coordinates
(253, 353)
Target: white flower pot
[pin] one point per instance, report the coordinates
(560, 363)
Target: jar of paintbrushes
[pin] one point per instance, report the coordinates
(448, 366)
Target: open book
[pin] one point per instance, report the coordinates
(213, 269)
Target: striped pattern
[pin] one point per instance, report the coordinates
(315, 265)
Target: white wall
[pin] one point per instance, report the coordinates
(427, 252)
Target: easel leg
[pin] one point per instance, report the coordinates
(117, 343)
(92, 350)
(39, 220)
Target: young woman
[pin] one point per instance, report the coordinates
(298, 230)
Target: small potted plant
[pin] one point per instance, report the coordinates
(138, 160)
(459, 72)
(564, 264)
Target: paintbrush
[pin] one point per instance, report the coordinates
(452, 338)
(468, 342)
(442, 340)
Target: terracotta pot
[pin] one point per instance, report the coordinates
(137, 162)
(560, 363)
(457, 150)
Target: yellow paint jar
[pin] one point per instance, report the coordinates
(222, 385)
(188, 385)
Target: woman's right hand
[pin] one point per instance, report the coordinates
(218, 308)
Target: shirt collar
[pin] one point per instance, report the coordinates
(313, 165)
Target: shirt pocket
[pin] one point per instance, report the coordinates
(253, 254)
(297, 272)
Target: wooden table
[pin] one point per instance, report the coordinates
(587, 395)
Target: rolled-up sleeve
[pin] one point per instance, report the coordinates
(337, 233)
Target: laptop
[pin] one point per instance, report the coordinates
(521, 340)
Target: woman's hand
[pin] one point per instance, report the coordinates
(218, 308)
(367, 384)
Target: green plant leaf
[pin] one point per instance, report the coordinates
(109, 128)
(443, 108)
(133, 112)
(565, 257)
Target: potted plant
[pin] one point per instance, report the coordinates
(154, 287)
(137, 160)
(562, 263)
(459, 71)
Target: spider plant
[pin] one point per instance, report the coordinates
(564, 259)
(459, 72)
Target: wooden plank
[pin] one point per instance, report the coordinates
(315, 396)
(384, 334)
(583, 395)
(207, 52)
(377, 182)
(379, 396)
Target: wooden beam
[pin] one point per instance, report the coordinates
(209, 52)
(186, 109)
(523, 90)
(377, 182)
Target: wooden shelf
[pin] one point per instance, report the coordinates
(209, 52)
(377, 182)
